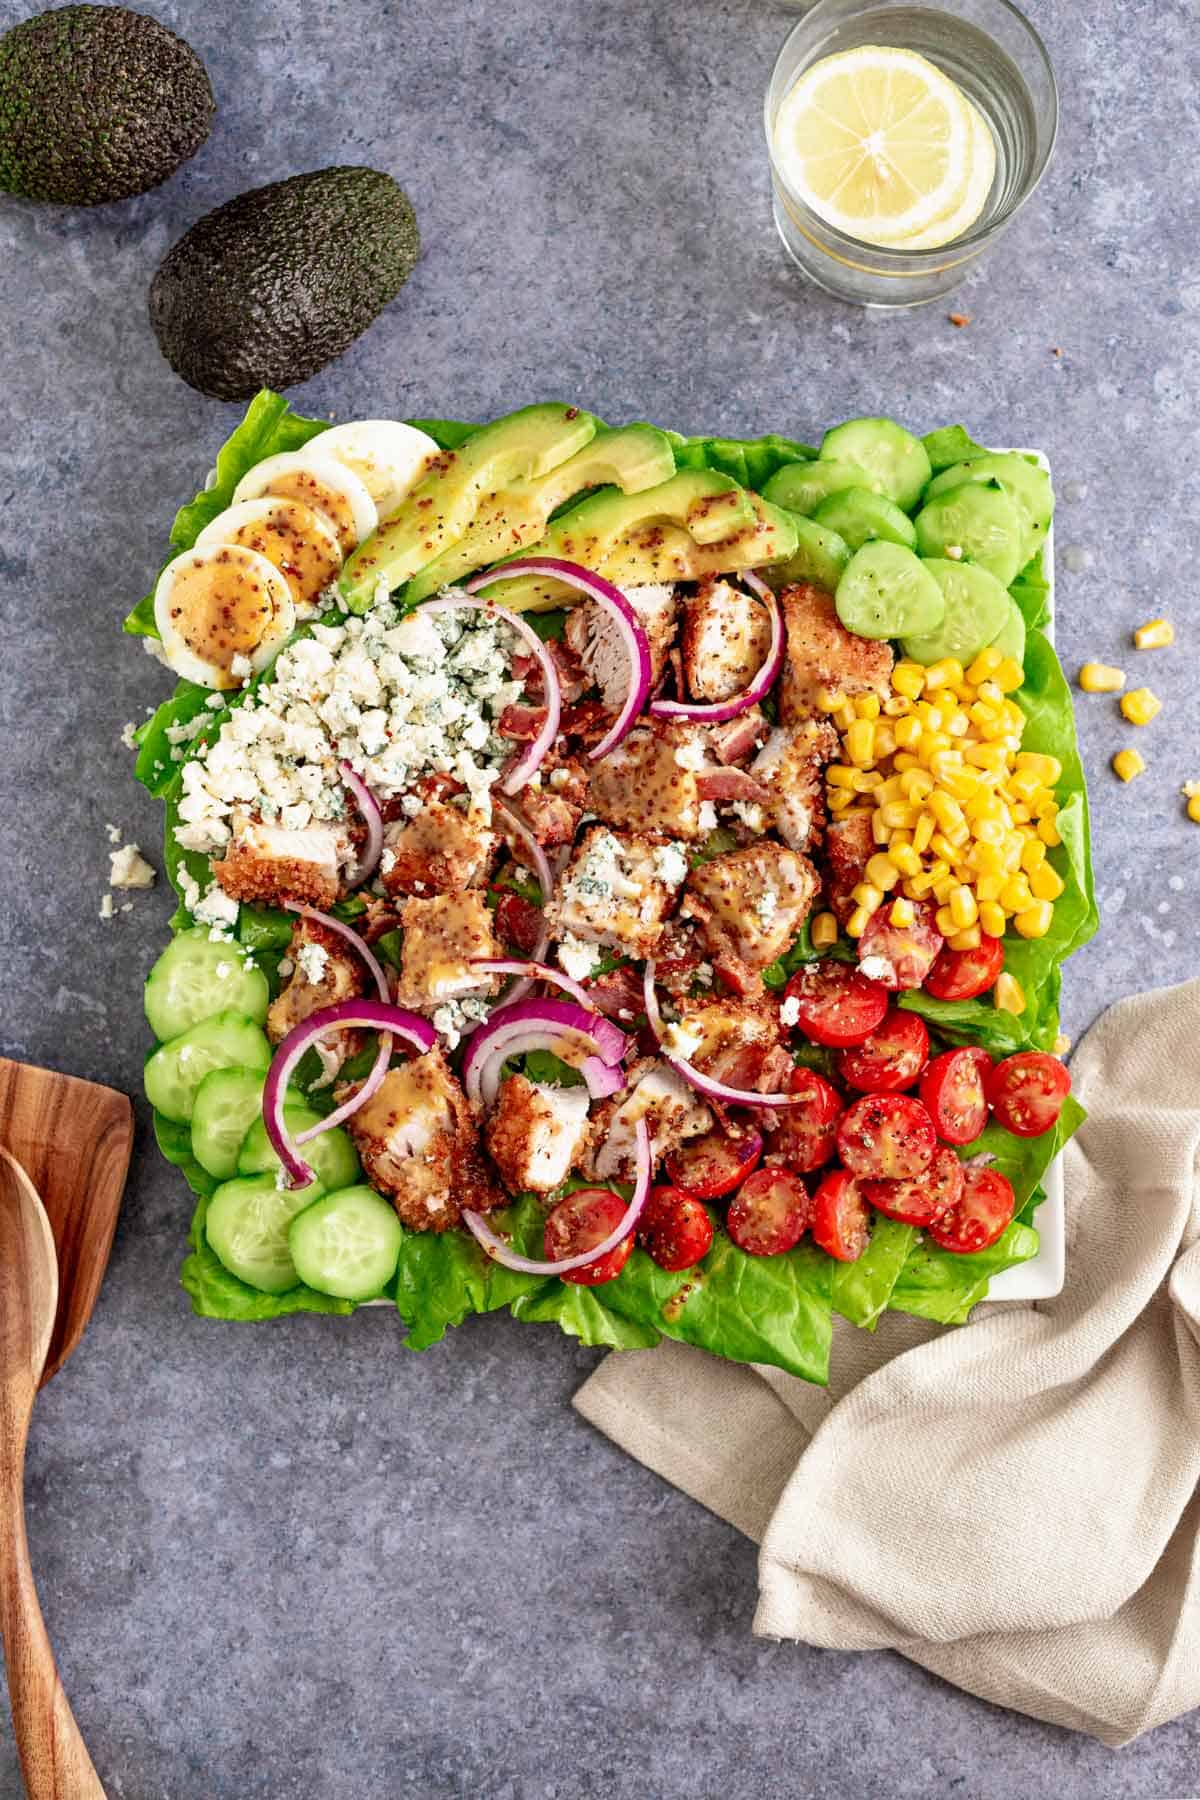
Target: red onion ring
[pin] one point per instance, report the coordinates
(540, 864)
(705, 1084)
(379, 1066)
(498, 1250)
(613, 602)
(378, 1015)
(372, 818)
(716, 712)
(535, 970)
(535, 752)
(544, 1025)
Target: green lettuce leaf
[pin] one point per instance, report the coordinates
(862, 1290)
(936, 1285)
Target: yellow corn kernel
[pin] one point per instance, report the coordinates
(841, 775)
(1048, 832)
(1048, 769)
(1062, 1044)
(866, 706)
(905, 759)
(1139, 706)
(1046, 883)
(885, 740)
(1033, 854)
(1191, 791)
(991, 918)
(908, 678)
(922, 833)
(992, 693)
(962, 905)
(858, 921)
(882, 872)
(942, 674)
(962, 783)
(993, 757)
(907, 731)
(1021, 815)
(1127, 764)
(828, 699)
(1009, 675)
(899, 815)
(916, 785)
(985, 665)
(824, 931)
(904, 857)
(1101, 678)
(867, 781)
(990, 833)
(933, 743)
(946, 810)
(860, 742)
(941, 762)
(1011, 851)
(880, 831)
(903, 912)
(1157, 634)
(964, 693)
(945, 921)
(1016, 894)
(941, 846)
(917, 886)
(958, 725)
(1036, 920)
(969, 938)
(841, 799)
(1008, 993)
(896, 706)
(844, 715)
(982, 713)
(942, 891)
(867, 894)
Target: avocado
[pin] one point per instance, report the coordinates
(97, 103)
(649, 537)
(273, 285)
(632, 457)
(522, 446)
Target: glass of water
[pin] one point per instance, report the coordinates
(993, 54)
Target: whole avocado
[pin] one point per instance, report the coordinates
(276, 283)
(97, 103)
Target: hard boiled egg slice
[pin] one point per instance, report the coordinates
(221, 611)
(300, 541)
(388, 456)
(320, 482)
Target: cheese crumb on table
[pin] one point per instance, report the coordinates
(129, 867)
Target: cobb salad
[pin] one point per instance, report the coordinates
(623, 878)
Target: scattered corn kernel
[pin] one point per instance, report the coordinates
(905, 858)
(1139, 706)
(1008, 993)
(867, 894)
(1101, 678)
(899, 815)
(1048, 769)
(882, 871)
(858, 921)
(867, 781)
(1035, 920)
(1156, 634)
(867, 706)
(1016, 894)
(1127, 764)
(844, 715)
(1033, 854)
(860, 742)
(1046, 883)
(922, 833)
(945, 922)
(1010, 675)
(903, 912)
(963, 907)
(985, 665)
(992, 918)
(1192, 794)
(943, 674)
(1048, 832)
(1062, 1044)
(908, 678)
(969, 938)
(824, 931)
(908, 731)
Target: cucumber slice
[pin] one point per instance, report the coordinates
(1010, 639)
(978, 519)
(898, 462)
(1026, 484)
(347, 1244)
(227, 1103)
(332, 1156)
(800, 487)
(196, 977)
(229, 1040)
(976, 608)
(247, 1229)
(887, 592)
(820, 555)
(859, 517)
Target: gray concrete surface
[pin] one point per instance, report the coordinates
(295, 1560)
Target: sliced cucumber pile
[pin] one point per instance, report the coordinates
(974, 610)
(887, 592)
(227, 1103)
(859, 517)
(247, 1230)
(228, 1040)
(197, 976)
(347, 1243)
(897, 462)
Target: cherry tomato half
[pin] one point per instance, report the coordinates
(714, 1165)
(954, 1088)
(886, 1137)
(841, 1223)
(965, 974)
(1027, 1092)
(838, 1006)
(770, 1214)
(806, 1136)
(890, 1059)
(980, 1216)
(674, 1228)
(578, 1223)
(900, 956)
(927, 1198)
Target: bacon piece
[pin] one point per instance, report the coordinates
(737, 738)
(726, 785)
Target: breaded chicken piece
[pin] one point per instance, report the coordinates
(536, 1134)
(592, 635)
(822, 654)
(648, 783)
(266, 865)
(444, 848)
(553, 808)
(751, 903)
(728, 1039)
(617, 890)
(790, 766)
(849, 846)
(442, 938)
(668, 1105)
(419, 1144)
(325, 970)
(725, 638)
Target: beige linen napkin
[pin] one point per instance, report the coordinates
(1015, 1503)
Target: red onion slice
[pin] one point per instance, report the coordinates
(614, 603)
(377, 1015)
(372, 818)
(379, 1066)
(535, 752)
(716, 712)
(705, 1084)
(597, 1044)
(535, 970)
(540, 864)
(498, 1250)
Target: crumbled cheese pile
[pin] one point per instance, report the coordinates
(398, 698)
(129, 868)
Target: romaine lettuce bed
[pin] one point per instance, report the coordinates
(775, 1310)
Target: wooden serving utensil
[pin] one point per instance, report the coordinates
(74, 1138)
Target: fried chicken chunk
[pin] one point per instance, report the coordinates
(266, 865)
(536, 1134)
(669, 1107)
(648, 783)
(849, 846)
(726, 635)
(592, 635)
(442, 938)
(790, 766)
(617, 890)
(439, 851)
(325, 970)
(418, 1142)
(751, 903)
(823, 655)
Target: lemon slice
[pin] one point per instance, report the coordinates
(979, 186)
(881, 144)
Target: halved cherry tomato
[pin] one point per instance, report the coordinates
(1027, 1092)
(954, 1088)
(806, 1136)
(886, 1137)
(927, 1198)
(518, 922)
(980, 1216)
(965, 974)
(841, 1223)
(890, 1059)
(579, 1222)
(770, 1214)
(714, 1165)
(838, 1006)
(900, 956)
(674, 1228)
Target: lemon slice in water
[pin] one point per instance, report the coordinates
(885, 147)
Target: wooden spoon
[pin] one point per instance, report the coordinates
(54, 1757)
